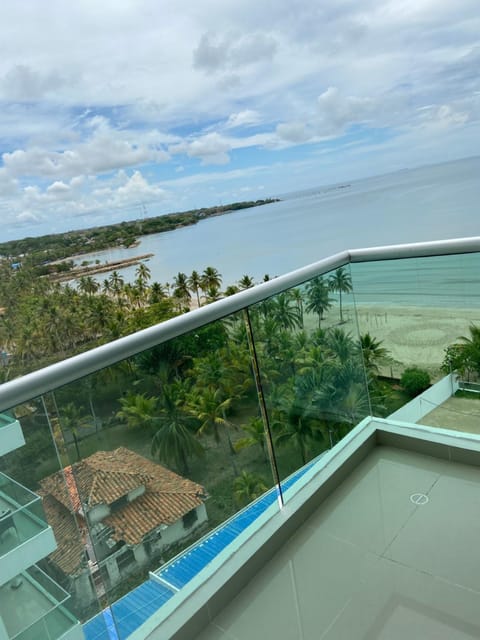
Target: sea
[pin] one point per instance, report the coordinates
(412, 205)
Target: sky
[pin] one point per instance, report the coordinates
(120, 109)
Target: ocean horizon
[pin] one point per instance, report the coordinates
(429, 203)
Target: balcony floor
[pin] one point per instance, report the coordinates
(370, 563)
(27, 604)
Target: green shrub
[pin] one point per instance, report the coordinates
(415, 380)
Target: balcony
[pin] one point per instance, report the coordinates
(25, 536)
(11, 436)
(323, 519)
(32, 607)
(387, 552)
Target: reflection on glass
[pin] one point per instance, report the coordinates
(311, 367)
(37, 602)
(416, 313)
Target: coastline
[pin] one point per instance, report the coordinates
(90, 270)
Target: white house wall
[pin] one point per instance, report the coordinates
(98, 513)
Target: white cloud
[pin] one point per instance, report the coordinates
(215, 52)
(245, 118)
(211, 148)
(8, 186)
(82, 98)
(26, 217)
(294, 132)
(337, 111)
(104, 151)
(136, 189)
(22, 83)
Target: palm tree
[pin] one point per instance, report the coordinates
(116, 283)
(138, 411)
(297, 297)
(156, 292)
(247, 487)
(211, 278)
(294, 425)
(340, 282)
(341, 344)
(88, 285)
(471, 349)
(106, 286)
(285, 312)
(181, 290)
(142, 273)
(256, 436)
(246, 282)
(194, 283)
(71, 419)
(372, 352)
(231, 290)
(174, 439)
(212, 294)
(209, 408)
(318, 300)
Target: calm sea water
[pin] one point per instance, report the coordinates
(429, 203)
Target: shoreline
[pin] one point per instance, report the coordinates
(413, 335)
(78, 272)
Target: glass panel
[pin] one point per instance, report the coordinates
(311, 367)
(21, 514)
(32, 604)
(54, 591)
(159, 452)
(410, 312)
(51, 626)
(6, 419)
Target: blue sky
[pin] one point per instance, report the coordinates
(111, 109)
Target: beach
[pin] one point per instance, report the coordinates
(413, 335)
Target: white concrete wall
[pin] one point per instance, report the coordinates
(98, 513)
(136, 493)
(427, 401)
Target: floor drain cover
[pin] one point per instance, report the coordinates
(419, 498)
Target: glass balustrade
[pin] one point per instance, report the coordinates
(21, 514)
(162, 461)
(160, 452)
(32, 607)
(6, 419)
(310, 360)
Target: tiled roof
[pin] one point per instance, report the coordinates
(106, 476)
(100, 479)
(69, 552)
(149, 512)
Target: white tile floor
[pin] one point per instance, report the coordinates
(372, 564)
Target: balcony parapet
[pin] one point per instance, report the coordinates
(11, 435)
(25, 536)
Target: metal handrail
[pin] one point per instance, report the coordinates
(61, 373)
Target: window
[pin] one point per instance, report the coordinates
(118, 504)
(126, 559)
(190, 518)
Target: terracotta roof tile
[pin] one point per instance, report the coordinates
(69, 552)
(103, 478)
